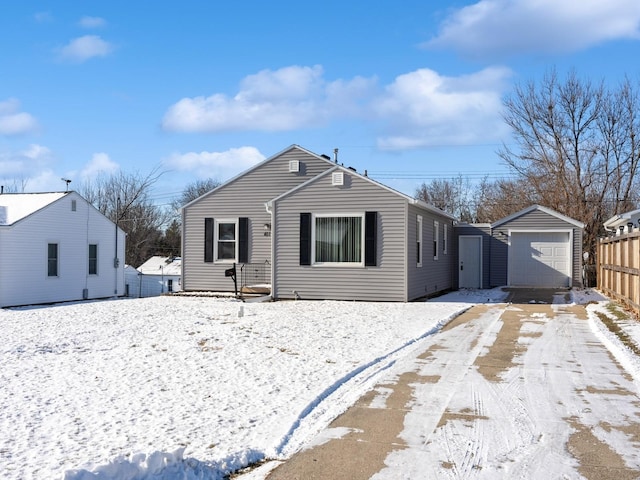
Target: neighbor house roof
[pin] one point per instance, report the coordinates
(622, 219)
(170, 266)
(546, 210)
(16, 206)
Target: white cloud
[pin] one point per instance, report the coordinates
(418, 109)
(83, 48)
(290, 98)
(498, 28)
(100, 163)
(92, 22)
(423, 108)
(22, 168)
(13, 121)
(221, 165)
(45, 180)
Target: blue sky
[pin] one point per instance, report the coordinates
(409, 90)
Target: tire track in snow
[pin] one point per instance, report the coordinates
(344, 392)
(453, 357)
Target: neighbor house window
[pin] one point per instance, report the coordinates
(419, 241)
(436, 239)
(93, 259)
(338, 239)
(52, 260)
(226, 240)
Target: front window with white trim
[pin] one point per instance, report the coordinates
(226, 241)
(436, 239)
(445, 239)
(338, 239)
(419, 240)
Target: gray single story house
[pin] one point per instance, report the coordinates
(535, 247)
(305, 227)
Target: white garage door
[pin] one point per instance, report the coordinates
(540, 259)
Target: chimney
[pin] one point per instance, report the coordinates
(335, 154)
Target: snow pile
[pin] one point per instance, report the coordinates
(622, 353)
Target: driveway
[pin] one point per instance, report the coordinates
(515, 390)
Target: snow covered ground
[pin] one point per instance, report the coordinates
(190, 387)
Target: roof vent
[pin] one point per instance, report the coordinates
(294, 166)
(337, 179)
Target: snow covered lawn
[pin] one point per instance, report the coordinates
(103, 385)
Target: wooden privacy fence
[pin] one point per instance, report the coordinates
(618, 264)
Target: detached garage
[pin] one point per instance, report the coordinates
(535, 247)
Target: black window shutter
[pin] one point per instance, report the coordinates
(243, 241)
(370, 238)
(305, 239)
(208, 240)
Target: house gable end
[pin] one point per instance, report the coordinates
(292, 151)
(540, 208)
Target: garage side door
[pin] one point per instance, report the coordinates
(540, 259)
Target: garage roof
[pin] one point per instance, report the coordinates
(542, 209)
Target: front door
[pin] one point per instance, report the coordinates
(469, 261)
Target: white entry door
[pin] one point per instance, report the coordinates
(469, 261)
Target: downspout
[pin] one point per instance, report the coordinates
(269, 207)
(116, 261)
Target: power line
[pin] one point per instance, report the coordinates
(493, 174)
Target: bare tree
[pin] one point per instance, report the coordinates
(500, 198)
(171, 240)
(125, 199)
(15, 185)
(454, 196)
(577, 147)
(192, 191)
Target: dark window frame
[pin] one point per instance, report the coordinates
(93, 259)
(53, 258)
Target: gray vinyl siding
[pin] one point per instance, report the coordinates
(384, 282)
(434, 275)
(483, 231)
(535, 221)
(245, 196)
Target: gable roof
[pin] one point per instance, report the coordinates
(16, 206)
(546, 210)
(350, 171)
(622, 219)
(170, 266)
(258, 165)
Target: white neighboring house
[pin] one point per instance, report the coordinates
(57, 247)
(156, 276)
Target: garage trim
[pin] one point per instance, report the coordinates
(510, 259)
